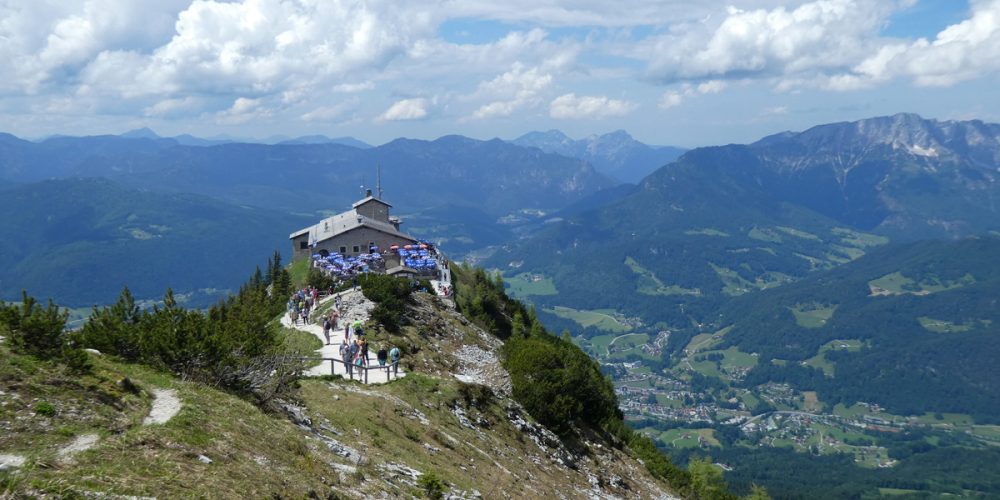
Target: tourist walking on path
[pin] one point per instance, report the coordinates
(353, 358)
(364, 350)
(394, 356)
(383, 355)
(326, 330)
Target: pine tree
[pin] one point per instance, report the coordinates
(114, 330)
(36, 330)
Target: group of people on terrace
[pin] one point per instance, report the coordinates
(346, 268)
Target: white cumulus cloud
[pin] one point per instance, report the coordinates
(331, 113)
(963, 51)
(754, 43)
(571, 106)
(406, 109)
(242, 111)
(674, 98)
(513, 90)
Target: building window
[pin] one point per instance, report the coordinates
(357, 249)
(303, 245)
(343, 250)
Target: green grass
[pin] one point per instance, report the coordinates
(705, 341)
(989, 432)
(687, 438)
(859, 239)
(812, 315)
(791, 231)
(623, 346)
(732, 359)
(299, 343)
(891, 492)
(851, 253)
(298, 271)
(765, 234)
(629, 341)
(954, 419)
(706, 232)
(585, 319)
(600, 344)
(649, 284)
(733, 284)
(815, 263)
(528, 284)
(131, 459)
(897, 284)
(942, 326)
(820, 361)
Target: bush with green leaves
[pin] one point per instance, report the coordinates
(558, 383)
(41, 332)
(45, 409)
(562, 387)
(433, 486)
(318, 279)
(233, 345)
(391, 296)
(34, 329)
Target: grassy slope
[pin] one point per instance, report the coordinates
(411, 422)
(253, 453)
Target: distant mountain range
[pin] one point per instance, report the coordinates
(240, 196)
(190, 140)
(615, 154)
(726, 220)
(494, 176)
(80, 240)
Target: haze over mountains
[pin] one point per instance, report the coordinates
(787, 274)
(615, 154)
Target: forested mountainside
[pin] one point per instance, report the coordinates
(755, 300)
(80, 240)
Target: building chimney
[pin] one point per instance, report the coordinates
(368, 193)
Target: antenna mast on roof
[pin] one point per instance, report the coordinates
(378, 180)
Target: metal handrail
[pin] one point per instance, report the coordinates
(354, 368)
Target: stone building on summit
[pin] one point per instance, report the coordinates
(351, 233)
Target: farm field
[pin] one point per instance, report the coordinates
(820, 361)
(528, 284)
(649, 284)
(812, 315)
(597, 318)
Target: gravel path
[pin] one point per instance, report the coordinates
(166, 404)
(10, 461)
(82, 442)
(355, 308)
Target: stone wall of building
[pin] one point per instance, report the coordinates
(346, 243)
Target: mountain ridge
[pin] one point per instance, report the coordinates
(616, 153)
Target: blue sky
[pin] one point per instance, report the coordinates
(668, 71)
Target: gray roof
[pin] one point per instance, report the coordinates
(344, 222)
(366, 200)
(402, 269)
